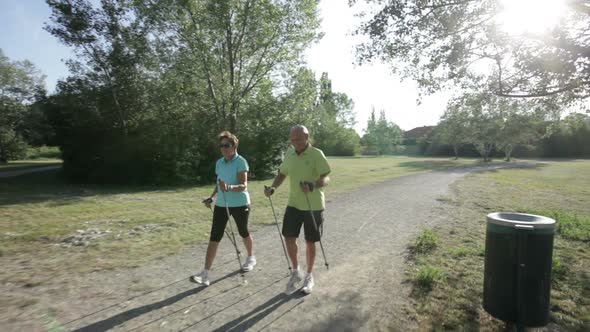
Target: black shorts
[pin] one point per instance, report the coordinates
(294, 218)
(240, 214)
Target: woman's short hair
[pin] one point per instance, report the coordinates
(229, 136)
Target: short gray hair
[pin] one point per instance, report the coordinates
(301, 128)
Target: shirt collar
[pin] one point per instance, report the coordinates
(232, 159)
(304, 150)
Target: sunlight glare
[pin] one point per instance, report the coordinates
(530, 16)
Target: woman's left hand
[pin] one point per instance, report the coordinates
(224, 186)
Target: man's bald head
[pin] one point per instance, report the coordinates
(299, 136)
(299, 129)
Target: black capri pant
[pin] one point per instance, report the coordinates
(220, 218)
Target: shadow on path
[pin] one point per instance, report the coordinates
(121, 318)
(191, 326)
(248, 319)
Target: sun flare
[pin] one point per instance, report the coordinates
(530, 16)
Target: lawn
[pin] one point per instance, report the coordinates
(36, 157)
(558, 189)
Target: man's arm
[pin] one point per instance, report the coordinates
(323, 181)
(308, 186)
(275, 184)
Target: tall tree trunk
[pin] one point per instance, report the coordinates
(488, 148)
(508, 151)
(3, 155)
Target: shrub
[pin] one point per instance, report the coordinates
(427, 276)
(425, 242)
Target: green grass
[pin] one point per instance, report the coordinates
(557, 189)
(43, 153)
(425, 242)
(352, 172)
(460, 252)
(569, 225)
(427, 276)
(36, 157)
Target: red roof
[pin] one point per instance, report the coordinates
(419, 132)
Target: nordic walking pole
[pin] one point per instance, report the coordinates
(231, 230)
(316, 228)
(226, 233)
(279, 230)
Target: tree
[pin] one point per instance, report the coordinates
(21, 84)
(462, 43)
(155, 81)
(521, 127)
(333, 132)
(453, 128)
(111, 48)
(569, 137)
(236, 44)
(482, 118)
(381, 135)
(488, 122)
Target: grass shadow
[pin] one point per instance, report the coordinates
(22, 165)
(52, 186)
(431, 165)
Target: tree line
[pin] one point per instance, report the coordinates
(496, 125)
(510, 89)
(154, 82)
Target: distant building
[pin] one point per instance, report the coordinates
(418, 132)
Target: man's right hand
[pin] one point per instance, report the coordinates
(208, 201)
(268, 191)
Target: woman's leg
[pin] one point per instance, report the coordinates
(211, 252)
(217, 229)
(241, 216)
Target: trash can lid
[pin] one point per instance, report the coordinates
(520, 220)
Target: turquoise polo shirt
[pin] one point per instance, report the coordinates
(228, 171)
(307, 166)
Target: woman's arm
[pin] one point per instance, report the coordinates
(242, 183)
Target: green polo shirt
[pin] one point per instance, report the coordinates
(308, 166)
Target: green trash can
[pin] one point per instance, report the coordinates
(517, 272)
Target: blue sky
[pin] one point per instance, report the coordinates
(22, 37)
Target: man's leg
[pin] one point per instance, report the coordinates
(291, 243)
(310, 255)
(312, 225)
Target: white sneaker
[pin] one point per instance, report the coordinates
(201, 278)
(308, 284)
(249, 264)
(295, 279)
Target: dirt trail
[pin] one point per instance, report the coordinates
(365, 235)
